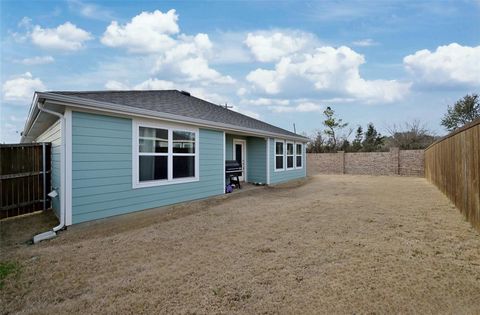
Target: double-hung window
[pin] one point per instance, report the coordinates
(298, 155)
(164, 154)
(290, 155)
(279, 157)
(152, 154)
(183, 154)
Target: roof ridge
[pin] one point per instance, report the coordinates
(110, 91)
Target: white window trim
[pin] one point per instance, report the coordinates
(275, 155)
(287, 155)
(170, 127)
(296, 154)
(244, 146)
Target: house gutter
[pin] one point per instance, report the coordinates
(53, 232)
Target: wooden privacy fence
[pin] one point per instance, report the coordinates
(453, 165)
(24, 178)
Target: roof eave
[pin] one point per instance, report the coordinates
(129, 110)
(32, 115)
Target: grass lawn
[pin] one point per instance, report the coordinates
(333, 244)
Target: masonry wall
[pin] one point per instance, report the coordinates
(394, 162)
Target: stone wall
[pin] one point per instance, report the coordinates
(394, 162)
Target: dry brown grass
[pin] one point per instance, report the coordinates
(337, 244)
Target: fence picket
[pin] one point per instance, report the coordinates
(453, 165)
(21, 178)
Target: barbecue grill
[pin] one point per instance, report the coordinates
(233, 169)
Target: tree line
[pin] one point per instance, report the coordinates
(336, 135)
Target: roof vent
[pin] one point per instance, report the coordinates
(185, 93)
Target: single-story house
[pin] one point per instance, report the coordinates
(115, 152)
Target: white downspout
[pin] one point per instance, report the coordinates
(63, 208)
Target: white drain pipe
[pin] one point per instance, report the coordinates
(52, 233)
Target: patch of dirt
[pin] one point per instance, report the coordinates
(333, 244)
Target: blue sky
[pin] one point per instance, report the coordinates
(385, 62)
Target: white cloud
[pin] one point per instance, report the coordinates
(188, 58)
(365, 42)
(89, 10)
(242, 91)
(66, 37)
(268, 80)
(447, 65)
(116, 85)
(233, 50)
(246, 112)
(262, 101)
(155, 84)
(21, 88)
(326, 70)
(25, 22)
(272, 45)
(149, 84)
(145, 33)
(301, 107)
(178, 56)
(37, 60)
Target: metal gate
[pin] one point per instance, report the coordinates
(24, 178)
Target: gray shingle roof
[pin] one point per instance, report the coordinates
(177, 103)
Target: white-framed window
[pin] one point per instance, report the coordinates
(279, 155)
(163, 154)
(298, 155)
(290, 156)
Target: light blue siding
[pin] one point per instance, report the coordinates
(54, 135)
(285, 175)
(102, 170)
(256, 160)
(256, 156)
(229, 145)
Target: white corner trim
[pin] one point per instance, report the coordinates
(68, 167)
(268, 160)
(224, 157)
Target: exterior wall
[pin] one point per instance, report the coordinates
(277, 177)
(102, 170)
(54, 135)
(256, 156)
(256, 160)
(229, 145)
(395, 162)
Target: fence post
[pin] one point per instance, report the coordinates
(395, 160)
(44, 171)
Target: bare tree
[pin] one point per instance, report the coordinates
(316, 143)
(410, 136)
